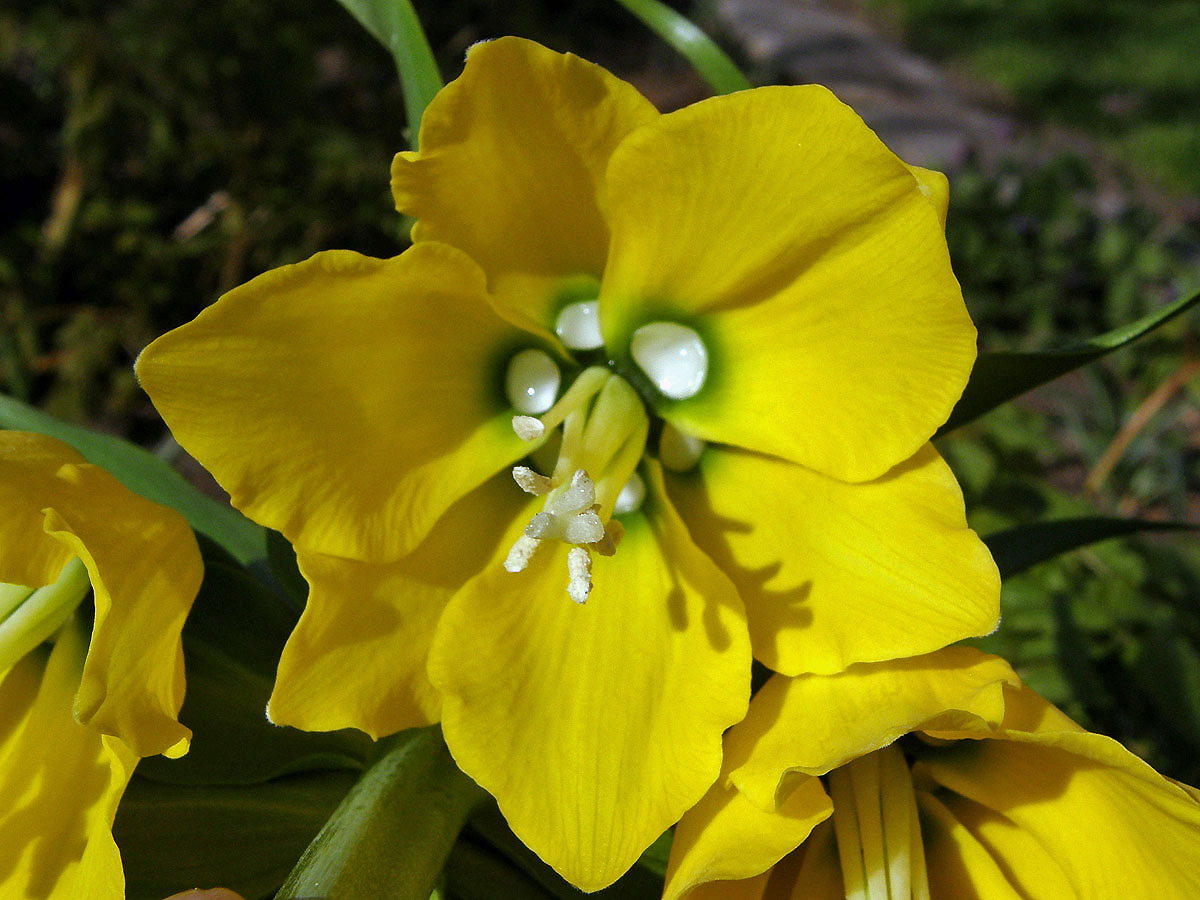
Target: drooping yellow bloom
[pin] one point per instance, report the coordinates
(76, 714)
(947, 779)
(716, 342)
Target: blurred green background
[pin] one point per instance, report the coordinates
(153, 155)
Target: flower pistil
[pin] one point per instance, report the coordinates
(30, 616)
(604, 429)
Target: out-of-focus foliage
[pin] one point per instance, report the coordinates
(159, 154)
(1110, 632)
(1124, 70)
(154, 155)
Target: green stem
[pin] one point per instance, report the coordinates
(390, 836)
(395, 24)
(714, 66)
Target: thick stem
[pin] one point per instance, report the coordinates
(390, 836)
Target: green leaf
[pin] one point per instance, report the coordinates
(394, 23)
(477, 872)
(1017, 549)
(145, 474)
(231, 643)
(247, 838)
(638, 883)
(1000, 376)
(391, 835)
(282, 558)
(1168, 673)
(714, 66)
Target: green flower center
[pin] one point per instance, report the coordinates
(29, 616)
(605, 424)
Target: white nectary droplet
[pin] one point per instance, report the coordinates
(578, 326)
(631, 495)
(531, 382)
(673, 356)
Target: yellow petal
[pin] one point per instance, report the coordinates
(29, 483)
(835, 573)
(595, 726)
(145, 570)
(1002, 859)
(808, 725)
(727, 838)
(357, 657)
(776, 223)
(958, 865)
(936, 187)
(747, 889)
(61, 782)
(811, 873)
(511, 164)
(1116, 827)
(345, 401)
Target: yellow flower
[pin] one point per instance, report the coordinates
(947, 779)
(75, 716)
(752, 294)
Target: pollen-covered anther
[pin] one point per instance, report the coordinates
(522, 551)
(528, 428)
(579, 568)
(530, 481)
(583, 528)
(579, 495)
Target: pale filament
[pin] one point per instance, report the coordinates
(604, 435)
(878, 833)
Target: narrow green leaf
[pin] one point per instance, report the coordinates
(391, 835)
(714, 66)
(1000, 376)
(247, 838)
(1017, 549)
(144, 473)
(394, 23)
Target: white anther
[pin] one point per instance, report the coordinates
(578, 326)
(673, 356)
(544, 526)
(531, 382)
(530, 481)
(579, 495)
(579, 568)
(520, 554)
(585, 528)
(677, 451)
(631, 496)
(528, 428)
